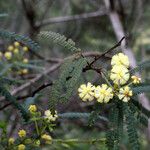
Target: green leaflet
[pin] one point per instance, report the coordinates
(58, 39)
(66, 84)
(141, 66)
(131, 128)
(4, 92)
(140, 108)
(20, 38)
(141, 88)
(76, 115)
(112, 136)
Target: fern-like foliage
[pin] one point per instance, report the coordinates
(20, 38)
(140, 108)
(59, 39)
(65, 85)
(4, 92)
(94, 115)
(131, 128)
(141, 88)
(76, 115)
(112, 135)
(141, 66)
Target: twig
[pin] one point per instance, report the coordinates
(90, 141)
(108, 51)
(71, 18)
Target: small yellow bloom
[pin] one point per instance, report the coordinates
(25, 60)
(32, 108)
(21, 147)
(119, 75)
(47, 138)
(103, 93)
(120, 59)
(22, 133)
(25, 71)
(11, 141)
(10, 48)
(25, 49)
(8, 55)
(125, 93)
(49, 117)
(86, 92)
(17, 44)
(37, 142)
(16, 51)
(135, 79)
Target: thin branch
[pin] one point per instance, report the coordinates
(72, 18)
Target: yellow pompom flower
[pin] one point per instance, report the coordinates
(11, 141)
(135, 79)
(125, 93)
(10, 48)
(32, 108)
(47, 138)
(16, 51)
(22, 133)
(120, 59)
(119, 75)
(25, 60)
(25, 49)
(17, 44)
(86, 92)
(25, 71)
(37, 143)
(21, 147)
(103, 93)
(8, 55)
(49, 117)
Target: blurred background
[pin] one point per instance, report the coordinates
(95, 26)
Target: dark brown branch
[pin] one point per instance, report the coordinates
(42, 87)
(98, 70)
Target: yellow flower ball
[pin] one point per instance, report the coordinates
(25, 49)
(47, 138)
(37, 142)
(49, 117)
(16, 51)
(103, 93)
(8, 55)
(21, 147)
(120, 59)
(86, 92)
(136, 80)
(17, 44)
(10, 48)
(32, 108)
(25, 71)
(22, 133)
(11, 141)
(25, 60)
(119, 75)
(125, 93)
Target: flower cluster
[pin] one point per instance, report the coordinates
(118, 83)
(42, 124)
(17, 53)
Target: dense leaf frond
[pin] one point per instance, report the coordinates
(4, 92)
(63, 88)
(20, 38)
(131, 128)
(59, 39)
